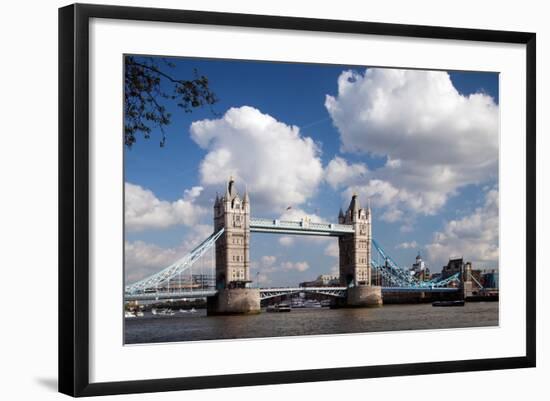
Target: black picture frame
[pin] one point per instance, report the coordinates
(74, 198)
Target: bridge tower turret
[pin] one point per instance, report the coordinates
(355, 256)
(232, 213)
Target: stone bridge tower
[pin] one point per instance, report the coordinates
(355, 249)
(466, 280)
(355, 256)
(233, 247)
(232, 213)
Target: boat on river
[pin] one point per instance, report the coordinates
(192, 310)
(325, 303)
(311, 303)
(163, 312)
(297, 303)
(282, 307)
(458, 302)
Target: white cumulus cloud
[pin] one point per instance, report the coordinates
(286, 240)
(333, 249)
(474, 237)
(268, 260)
(143, 210)
(268, 270)
(142, 259)
(407, 245)
(298, 266)
(340, 173)
(279, 165)
(435, 140)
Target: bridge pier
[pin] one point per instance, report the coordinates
(234, 301)
(364, 296)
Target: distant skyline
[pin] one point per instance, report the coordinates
(421, 145)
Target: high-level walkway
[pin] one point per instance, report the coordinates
(303, 227)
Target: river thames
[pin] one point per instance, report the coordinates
(197, 326)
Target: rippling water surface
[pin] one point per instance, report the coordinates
(191, 327)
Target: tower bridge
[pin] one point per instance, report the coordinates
(359, 255)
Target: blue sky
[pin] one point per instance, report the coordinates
(421, 145)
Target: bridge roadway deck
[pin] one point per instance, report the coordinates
(279, 291)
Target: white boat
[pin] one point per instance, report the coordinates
(193, 310)
(139, 314)
(129, 314)
(297, 303)
(311, 303)
(282, 307)
(163, 312)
